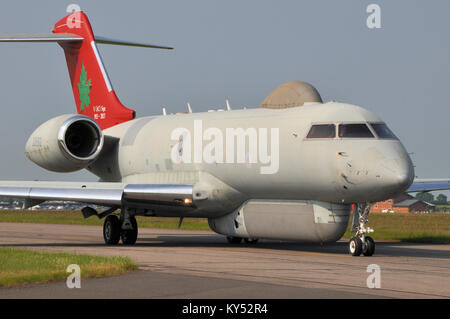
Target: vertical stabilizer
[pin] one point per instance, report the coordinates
(92, 89)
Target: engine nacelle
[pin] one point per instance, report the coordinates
(306, 221)
(66, 143)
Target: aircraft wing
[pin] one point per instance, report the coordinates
(429, 185)
(105, 194)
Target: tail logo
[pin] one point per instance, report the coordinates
(84, 88)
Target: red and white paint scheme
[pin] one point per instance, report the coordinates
(104, 107)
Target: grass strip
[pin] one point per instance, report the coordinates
(431, 228)
(21, 266)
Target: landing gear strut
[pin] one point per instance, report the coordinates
(361, 243)
(129, 236)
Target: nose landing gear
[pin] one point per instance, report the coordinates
(361, 243)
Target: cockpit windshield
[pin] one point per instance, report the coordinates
(354, 131)
(322, 131)
(382, 130)
(350, 130)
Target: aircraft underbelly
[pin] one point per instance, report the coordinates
(308, 221)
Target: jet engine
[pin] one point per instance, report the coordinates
(305, 221)
(66, 143)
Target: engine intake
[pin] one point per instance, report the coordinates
(80, 138)
(65, 143)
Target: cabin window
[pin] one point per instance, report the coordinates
(322, 131)
(354, 131)
(382, 130)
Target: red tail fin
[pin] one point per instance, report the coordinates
(94, 95)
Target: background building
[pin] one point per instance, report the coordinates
(403, 203)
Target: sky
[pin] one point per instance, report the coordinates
(241, 51)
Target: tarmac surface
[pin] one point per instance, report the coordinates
(201, 264)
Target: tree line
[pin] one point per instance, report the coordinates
(441, 199)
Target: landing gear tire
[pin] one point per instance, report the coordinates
(355, 246)
(368, 247)
(361, 243)
(234, 240)
(129, 236)
(251, 240)
(111, 230)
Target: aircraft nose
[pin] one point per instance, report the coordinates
(405, 180)
(399, 172)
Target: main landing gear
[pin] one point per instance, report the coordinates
(361, 243)
(124, 228)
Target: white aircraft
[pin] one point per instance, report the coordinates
(290, 169)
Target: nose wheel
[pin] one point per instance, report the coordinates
(361, 243)
(368, 246)
(357, 247)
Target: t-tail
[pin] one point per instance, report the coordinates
(92, 88)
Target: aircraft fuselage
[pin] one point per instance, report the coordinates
(338, 170)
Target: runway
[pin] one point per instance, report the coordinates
(201, 264)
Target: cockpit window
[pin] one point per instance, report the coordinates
(322, 131)
(382, 130)
(354, 131)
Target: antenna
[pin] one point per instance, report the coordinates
(164, 111)
(228, 105)
(189, 108)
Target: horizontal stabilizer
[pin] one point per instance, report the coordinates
(45, 37)
(104, 40)
(68, 37)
